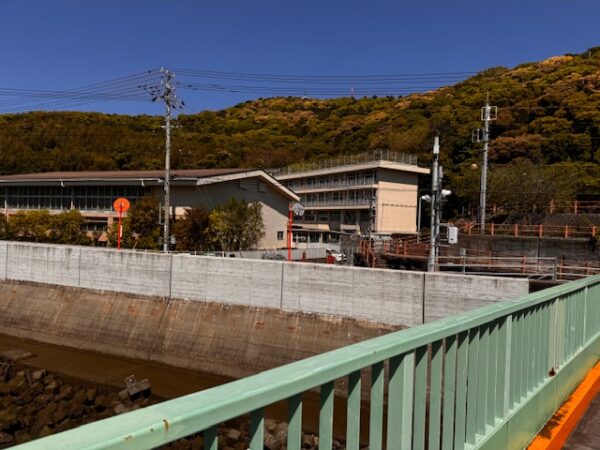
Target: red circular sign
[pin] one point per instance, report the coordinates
(121, 205)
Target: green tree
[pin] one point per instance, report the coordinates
(523, 189)
(5, 231)
(140, 227)
(67, 228)
(192, 230)
(32, 226)
(236, 225)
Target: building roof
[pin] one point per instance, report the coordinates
(409, 168)
(119, 174)
(198, 177)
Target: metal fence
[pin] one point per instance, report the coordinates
(347, 160)
(489, 378)
(516, 230)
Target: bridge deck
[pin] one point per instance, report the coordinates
(587, 434)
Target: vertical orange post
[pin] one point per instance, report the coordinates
(119, 229)
(566, 231)
(594, 231)
(492, 228)
(516, 229)
(575, 205)
(541, 230)
(120, 205)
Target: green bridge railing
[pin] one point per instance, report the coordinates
(489, 378)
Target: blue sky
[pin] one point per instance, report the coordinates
(63, 44)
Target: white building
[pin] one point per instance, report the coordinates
(93, 193)
(371, 192)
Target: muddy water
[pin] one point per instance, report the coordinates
(166, 381)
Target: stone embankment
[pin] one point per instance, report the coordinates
(35, 403)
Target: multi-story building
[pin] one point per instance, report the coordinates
(371, 192)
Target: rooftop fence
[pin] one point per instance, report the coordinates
(347, 160)
(489, 378)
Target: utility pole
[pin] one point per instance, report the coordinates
(168, 96)
(435, 200)
(488, 113)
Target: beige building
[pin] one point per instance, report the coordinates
(93, 193)
(374, 192)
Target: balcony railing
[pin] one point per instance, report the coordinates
(342, 202)
(342, 184)
(489, 378)
(347, 160)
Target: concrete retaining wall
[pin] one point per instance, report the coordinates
(380, 295)
(229, 340)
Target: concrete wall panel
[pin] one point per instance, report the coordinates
(52, 264)
(449, 294)
(227, 280)
(126, 271)
(387, 296)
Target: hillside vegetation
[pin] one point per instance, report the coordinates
(549, 114)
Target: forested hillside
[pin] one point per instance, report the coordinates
(548, 123)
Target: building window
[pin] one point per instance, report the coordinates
(322, 216)
(350, 217)
(280, 235)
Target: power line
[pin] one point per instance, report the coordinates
(136, 87)
(202, 73)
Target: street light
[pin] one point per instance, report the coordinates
(427, 198)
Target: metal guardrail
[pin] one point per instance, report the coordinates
(532, 267)
(517, 230)
(347, 160)
(479, 262)
(489, 378)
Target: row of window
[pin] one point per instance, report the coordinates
(340, 198)
(357, 178)
(311, 237)
(344, 217)
(89, 198)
